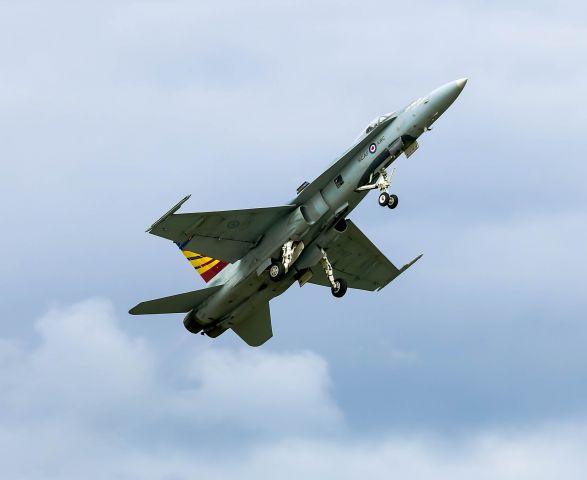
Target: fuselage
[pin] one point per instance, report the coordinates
(246, 282)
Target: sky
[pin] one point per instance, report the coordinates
(470, 365)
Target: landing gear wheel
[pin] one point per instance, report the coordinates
(276, 271)
(339, 288)
(393, 201)
(384, 199)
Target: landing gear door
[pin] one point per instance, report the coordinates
(411, 148)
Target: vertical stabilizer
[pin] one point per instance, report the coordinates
(207, 267)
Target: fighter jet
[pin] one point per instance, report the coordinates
(251, 256)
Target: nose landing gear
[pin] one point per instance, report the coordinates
(384, 199)
(383, 183)
(387, 200)
(393, 201)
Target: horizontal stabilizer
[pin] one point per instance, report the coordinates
(255, 329)
(181, 303)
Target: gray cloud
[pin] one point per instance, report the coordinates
(77, 402)
(86, 368)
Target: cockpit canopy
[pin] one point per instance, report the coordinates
(374, 123)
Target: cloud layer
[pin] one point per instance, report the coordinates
(86, 399)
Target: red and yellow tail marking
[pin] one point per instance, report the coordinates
(207, 267)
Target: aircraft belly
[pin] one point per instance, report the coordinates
(309, 222)
(225, 304)
(257, 298)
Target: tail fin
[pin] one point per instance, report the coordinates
(207, 267)
(255, 328)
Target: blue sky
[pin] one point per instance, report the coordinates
(471, 364)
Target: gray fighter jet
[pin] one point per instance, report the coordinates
(251, 256)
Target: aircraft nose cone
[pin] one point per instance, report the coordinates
(461, 82)
(444, 96)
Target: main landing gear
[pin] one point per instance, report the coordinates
(277, 271)
(290, 252)
(338, 286)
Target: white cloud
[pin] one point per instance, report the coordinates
(544, 453)
(540, 454)
(244, 414)
(263, 392)
(84, 363)
(89, 387)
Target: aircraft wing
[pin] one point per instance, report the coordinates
(225, 235)
(355, 259)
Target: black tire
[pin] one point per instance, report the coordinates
(384, 199)
(276, 271)
(393, 201)
(340, 288)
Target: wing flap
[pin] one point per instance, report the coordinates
(358, 261)
(180, 303)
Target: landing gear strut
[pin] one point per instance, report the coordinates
(290, 252)
(383, 183)
(337, 286)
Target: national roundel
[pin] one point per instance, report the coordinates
(372, 148)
